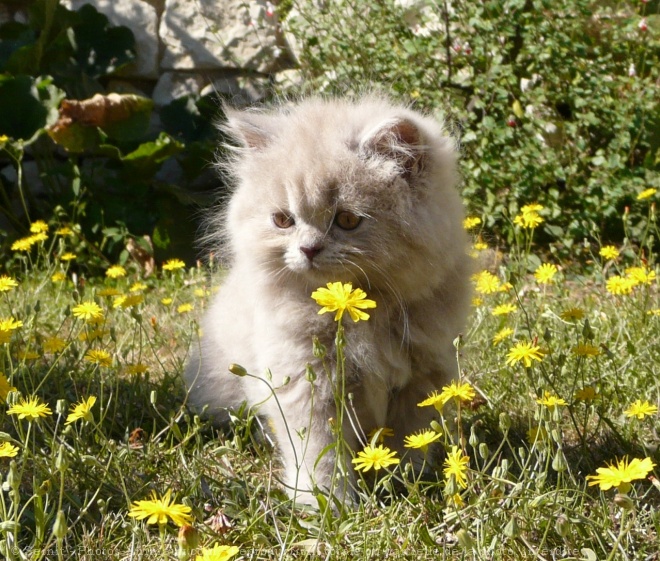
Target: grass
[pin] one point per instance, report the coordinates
(68, 490)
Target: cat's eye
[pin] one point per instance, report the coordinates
(347, 220)
(283, 220)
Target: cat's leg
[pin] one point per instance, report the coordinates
(303, 427)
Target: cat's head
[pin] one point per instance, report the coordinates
(333, 190)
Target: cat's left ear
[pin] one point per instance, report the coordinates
(399, 140)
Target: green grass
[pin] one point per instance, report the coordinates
(524, 499)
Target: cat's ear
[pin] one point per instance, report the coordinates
(251, 130)
(399, 140)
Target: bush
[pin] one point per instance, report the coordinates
(554, 101)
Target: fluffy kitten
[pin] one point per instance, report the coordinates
(330, 190)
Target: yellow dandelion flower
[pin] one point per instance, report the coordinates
(26, 354)
(173, 265)
(528, 220)
(340, 298)
(100, 357)
(506, 286)
(503, 309)
(455, 390)
(8, 450)
(108, 292)
(158, 511)
(30, 409)
(166, 301)
(621, 474)
(128, 301)
(54, 345)
(531, 208)
(501, 335)
(537, 433)
(524, 352)
(588, 393)
(138, 287)
(471, 221)
(641, 409)
(620, 286)
(641, 275)
(23, 244)
(550, 401)
(476, 302)
(138, 368)
(646, 194)
(609, 252)
(380, 433)
(115, 272)
(374, 457)
(455, 500)
(184, 308)
(217, 553)
(436, 400)
(82, 410)
(456, 464)
(585, 349)
(486, 282)
(68, 256)
(545, 273)
(59, 276)
(87, 311)
(39, 227)
(7, 283)
(10, 324)
(5, 387)
(93, 335)
(64, 231)
(572, 314)
(653, 312)
(421, 440)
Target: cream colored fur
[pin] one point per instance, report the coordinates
(396, 169)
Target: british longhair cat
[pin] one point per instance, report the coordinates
(360, 191)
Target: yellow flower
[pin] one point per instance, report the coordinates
(10, 324)
(7, 283)
(528, 220)
(166, 301)
(653, 312)
(572, 314)
(64, 231)
(503, 309)
(457, 464)
(479, 246)
(609, 252)
(338, 297)
(641, 275)
(54, 345)
(619, 286)
(550, 401)
(138, 287)
(108, 291)
(374, 457)
(39, 227)
(501, 335)
(8, 450)
(621, 474)
(68, 256)
(486, 282)
(436, 400)
(460, 392)
(525, 353)
(382, 433)
(5, 387)
(25, 354)
(421, 440)
(138, 368)
(641, 409)
(128, 301)
(30, 409)
(23, 244)
(588, 393)
(455, 500)
(100, 357)
(585, 349)
(157, 511)
(471, 221)
(218, 553)
(82, 410)
(476, 302)
(531, 208)
(173, 265)
(59, 276)
(537, 433)
(646, 194)
(545, 273)
(115, 272)
(93, 335)
(184, 308)
(88, 310)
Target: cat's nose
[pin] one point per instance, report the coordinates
(312, 251)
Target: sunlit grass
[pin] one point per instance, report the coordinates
(558, 382)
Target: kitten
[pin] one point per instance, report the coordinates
(324, 191)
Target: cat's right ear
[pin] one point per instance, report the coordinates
(250, 130)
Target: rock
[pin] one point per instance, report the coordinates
(172, 85)
(207, 34)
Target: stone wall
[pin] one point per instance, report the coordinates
(193, 46)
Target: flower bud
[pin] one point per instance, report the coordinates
(60, 527)
(474, 439)
(318, 348)
(310, 375)
(61, 406)
(465, 540)
(484, 451)
(511, 530)
(559, 461)
(237, 369)
(188, 539)
(624, 501)
(505, 421)
(562, 526)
